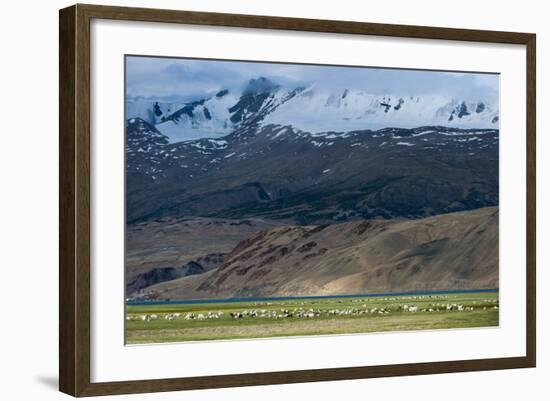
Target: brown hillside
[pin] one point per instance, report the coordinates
(451, 251)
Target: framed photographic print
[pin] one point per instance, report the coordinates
(297, 200)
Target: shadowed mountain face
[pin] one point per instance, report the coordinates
(452, 251)
(280, 173)
(160, 274)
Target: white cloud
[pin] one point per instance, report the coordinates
(188, 79)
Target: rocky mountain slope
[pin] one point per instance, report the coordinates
(278, 172)
(310, 191)
(169, 248)
(451, 251)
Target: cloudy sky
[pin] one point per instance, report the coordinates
(190, 79)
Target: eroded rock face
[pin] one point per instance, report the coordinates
(161, 274)
(153, 276)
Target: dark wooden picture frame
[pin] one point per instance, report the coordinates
(74, 203)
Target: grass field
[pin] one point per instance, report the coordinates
(159, 323)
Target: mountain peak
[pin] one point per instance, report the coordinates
(222, 93)
(260, 85)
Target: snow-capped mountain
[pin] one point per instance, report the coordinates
(317, 109)
(314, 109)
(211, 117)
(151, 110)
(208, 117)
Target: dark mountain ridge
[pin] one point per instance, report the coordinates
(279, 172)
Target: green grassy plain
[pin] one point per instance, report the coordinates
(304, 317)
